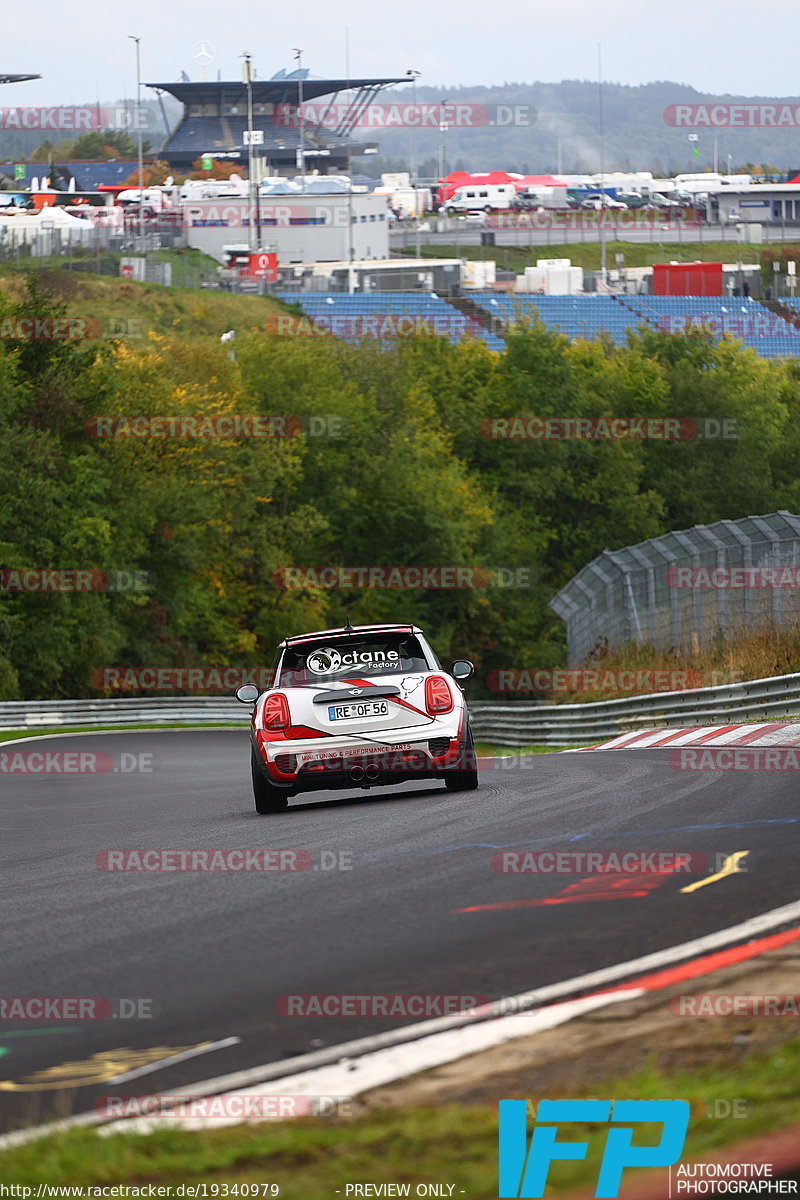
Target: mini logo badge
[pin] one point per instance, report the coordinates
(355, 691)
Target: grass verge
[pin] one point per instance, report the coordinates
(313, 1159)
(493, 749)
(12, 734)
(587, 254)
(116, 307)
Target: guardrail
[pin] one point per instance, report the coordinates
(161, 710)
(520, 724)
(513, 724)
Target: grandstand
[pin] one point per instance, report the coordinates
(388, 315)
(214, 121)
(352, 316)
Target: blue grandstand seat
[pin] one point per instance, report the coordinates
(584, 316)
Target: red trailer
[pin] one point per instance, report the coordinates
(687, 279)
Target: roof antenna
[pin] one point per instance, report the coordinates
(348, 627)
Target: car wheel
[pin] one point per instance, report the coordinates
(268, 799)
(464, 778)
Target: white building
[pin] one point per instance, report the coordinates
(301, 228)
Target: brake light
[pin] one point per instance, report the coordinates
(276, 712)
(438, 697)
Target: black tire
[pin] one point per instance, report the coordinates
(268, 799)
(465, 778)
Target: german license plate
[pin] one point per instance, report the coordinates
(351, 712)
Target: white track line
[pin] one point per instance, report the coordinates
(787, 914)
(344, 1081)
(204, 1048)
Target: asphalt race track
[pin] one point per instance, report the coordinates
(211, 953)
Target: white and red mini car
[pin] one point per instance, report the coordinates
(365, 706)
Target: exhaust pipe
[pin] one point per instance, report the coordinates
(373, 773)
(356, 774)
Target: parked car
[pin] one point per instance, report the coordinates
(597, 202)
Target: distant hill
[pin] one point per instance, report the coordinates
(636, 134)
(565, 129)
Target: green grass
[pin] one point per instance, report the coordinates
(494, 749)
(48, 730)
(587, 254)
(483, 748)
(311, 1158)
(117, 307)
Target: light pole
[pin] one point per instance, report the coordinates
(301, 153)
(414, 75)
(443, 127)
(350, 248)
(254, 231)
(139, 140)
(603, 209)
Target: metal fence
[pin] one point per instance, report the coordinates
(687, 589)
(517, 724)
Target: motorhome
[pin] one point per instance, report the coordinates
(486, 196)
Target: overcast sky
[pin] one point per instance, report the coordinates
(83, 55)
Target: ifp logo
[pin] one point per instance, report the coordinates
(523, 1171)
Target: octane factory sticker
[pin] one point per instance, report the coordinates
(106, 1064)
(328, 661)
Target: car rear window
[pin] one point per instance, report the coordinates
(351, 658)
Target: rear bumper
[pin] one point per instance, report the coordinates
(297, 768)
